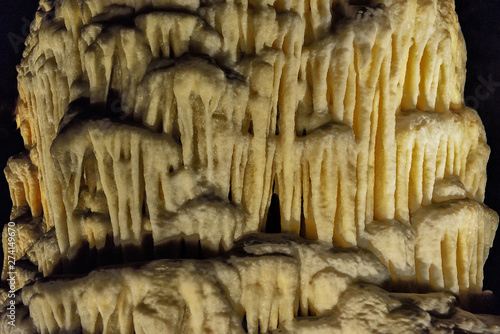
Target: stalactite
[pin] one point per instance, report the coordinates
(320, 103)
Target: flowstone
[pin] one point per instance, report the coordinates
(168, 138)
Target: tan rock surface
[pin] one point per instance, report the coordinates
(168, 128)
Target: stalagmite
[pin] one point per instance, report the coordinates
(166, 137)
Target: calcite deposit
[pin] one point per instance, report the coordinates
(168, 138)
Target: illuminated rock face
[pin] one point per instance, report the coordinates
(167, 126)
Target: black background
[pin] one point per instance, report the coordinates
(479, 21)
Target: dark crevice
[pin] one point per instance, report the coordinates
(162, 63)
(277, 131)
(86, 259)
(339, 12)
(81, 110)
(192, 247)
(273, 222)
(229, 72)
(462, 331)
(250, 128)
(184, 247)
(343, 12)
(99, 324)
(145, 206)
(303, 228)
(244, 323)
(366, 3)
(124, 16)
(116, 15)
(176, 133)
(168, 249)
